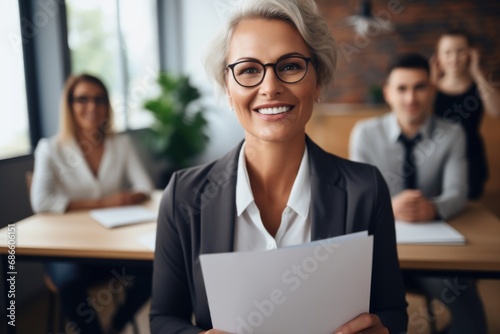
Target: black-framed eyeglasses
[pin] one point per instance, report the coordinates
(83, 99)
(251, 73)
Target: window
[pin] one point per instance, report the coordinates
(117, 40)
(14, 124)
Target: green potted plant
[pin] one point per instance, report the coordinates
(178, 133)
(376, 95)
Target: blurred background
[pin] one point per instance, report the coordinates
(128, 42)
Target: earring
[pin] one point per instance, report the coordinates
(318, 100)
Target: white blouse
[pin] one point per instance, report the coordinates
(62, 174)
(295, 227)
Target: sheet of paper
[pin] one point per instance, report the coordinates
(435, 232)
(311, 289)
(120, 216)
(148, 240)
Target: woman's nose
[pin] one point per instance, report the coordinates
(271, 85)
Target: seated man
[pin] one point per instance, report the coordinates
(422, 159)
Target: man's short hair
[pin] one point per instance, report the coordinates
(410, 61)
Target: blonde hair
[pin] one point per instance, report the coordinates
(67, 126)
(301, 14)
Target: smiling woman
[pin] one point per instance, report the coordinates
(272, 108)
(87, 166)
(277, 188)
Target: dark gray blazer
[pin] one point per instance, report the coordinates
(197, 216)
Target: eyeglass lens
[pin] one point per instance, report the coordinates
(98, 100)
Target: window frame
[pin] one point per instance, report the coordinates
(39, 119)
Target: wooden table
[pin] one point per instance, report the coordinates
(479, 257)
(76, 235)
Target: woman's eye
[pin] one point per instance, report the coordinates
(290, 67)
(250, 70)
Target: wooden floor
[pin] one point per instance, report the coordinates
(32, 319)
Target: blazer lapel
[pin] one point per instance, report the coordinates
(329, 199)
(218, 209)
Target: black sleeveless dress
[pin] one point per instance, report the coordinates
(467, 110)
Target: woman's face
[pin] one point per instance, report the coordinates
(453, 54)
(273, 110)
(90, 107)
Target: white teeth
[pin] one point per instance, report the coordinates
(274, 111)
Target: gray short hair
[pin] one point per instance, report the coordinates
(302, 14)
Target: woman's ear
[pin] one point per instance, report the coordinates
(317, 93)
(434, 68)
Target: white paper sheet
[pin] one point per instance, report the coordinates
(120, 216)
(311, 289)
(148, 240)
(435, 232)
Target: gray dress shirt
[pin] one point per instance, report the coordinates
(439, 159)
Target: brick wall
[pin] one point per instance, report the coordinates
(417, 26)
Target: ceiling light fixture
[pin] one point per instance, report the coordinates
(365, 19)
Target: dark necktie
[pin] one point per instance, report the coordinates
(409, 168)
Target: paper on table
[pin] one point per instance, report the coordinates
(312, 289)
(120, 216)
(148, 240)
(435, 232)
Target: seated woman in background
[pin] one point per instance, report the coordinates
(463, 95)
(277, 188)
(87, 166)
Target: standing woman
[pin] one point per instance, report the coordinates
(463, 95)
(276, 188)
(87, 166)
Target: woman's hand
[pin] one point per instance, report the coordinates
(474, 68)
(118, 199)
(435, 70)
(124, 198)
(366, 323)
(488, 90)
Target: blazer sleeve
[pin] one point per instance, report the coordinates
(45, 195)
(171, 308)
(454, 179)
(387, 298)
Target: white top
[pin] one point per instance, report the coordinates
(62, 174)
(295, 227)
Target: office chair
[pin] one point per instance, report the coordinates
(55, 317)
